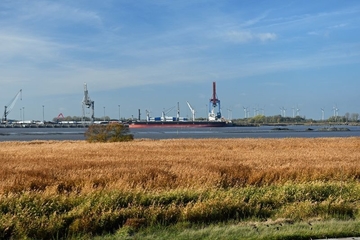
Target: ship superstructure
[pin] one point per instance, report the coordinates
(214, 117)
(214, 106)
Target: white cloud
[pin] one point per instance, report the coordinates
(26, 47)
(315, 33)
(239, 37)
(60, 64)
(254, 21)
(49, 11)
(266, 36)
(246, 36)
(342, 25)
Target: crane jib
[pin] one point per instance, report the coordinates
(11, 105)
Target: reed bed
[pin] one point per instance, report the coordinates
(175, 164)
(51, 189)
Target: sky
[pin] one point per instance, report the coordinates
(151, 55)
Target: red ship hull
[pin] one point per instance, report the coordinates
(195, 124)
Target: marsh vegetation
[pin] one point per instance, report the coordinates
(285, 188)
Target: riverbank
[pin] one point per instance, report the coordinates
(296, 124)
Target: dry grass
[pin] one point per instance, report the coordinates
(55, 190)
(70, 166)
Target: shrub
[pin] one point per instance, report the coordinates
(113, 132)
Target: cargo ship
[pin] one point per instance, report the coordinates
(177, 124)
(214, 117)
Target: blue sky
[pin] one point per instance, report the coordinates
(153, 54)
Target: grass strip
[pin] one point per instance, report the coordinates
(38, 216)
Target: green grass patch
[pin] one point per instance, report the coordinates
(246, 230)
(185, 214)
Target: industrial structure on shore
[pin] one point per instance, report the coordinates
(10, 106)
(214, 118)
(88, 103)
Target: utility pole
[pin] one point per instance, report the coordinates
(119, 112)
(207, 112)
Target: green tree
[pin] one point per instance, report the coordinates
(113, 132)
(354, 117)
(257, 119)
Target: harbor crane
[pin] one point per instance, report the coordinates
(178, 112)
(163, 115)
(214, 105)
(60, 116)
(88, 103)
(11, 105)
(147, 115)
(192, 111)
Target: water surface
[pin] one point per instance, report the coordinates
(29, 134)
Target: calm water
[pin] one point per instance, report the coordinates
(29, 134)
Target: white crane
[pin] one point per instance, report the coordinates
(11, 105)
(163, 114)
(87, 103)
(192, 111)
(147, 115)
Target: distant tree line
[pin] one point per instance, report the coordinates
(258, 119)
(351, 117)
(271, 119)
(348, 117)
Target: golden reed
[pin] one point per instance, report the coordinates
(67, 166)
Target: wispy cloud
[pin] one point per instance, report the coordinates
(341, 25)
(246, 36)
(49, 47)
(46, 12)
(253, 21)
(299, 21)
(25, 47)
(266, 36)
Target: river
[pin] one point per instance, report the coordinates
(297, 131)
